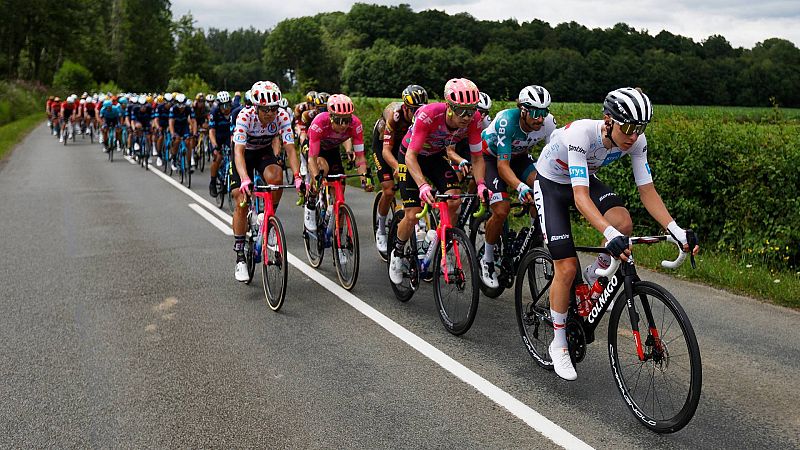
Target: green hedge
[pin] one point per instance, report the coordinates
(729, 173)
(20, 99)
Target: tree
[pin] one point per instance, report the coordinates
(72, 77)
(193, 54)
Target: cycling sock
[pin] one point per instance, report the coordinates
(381, 224)
(213, 180)
(559, 328)
(238, 243)
(488, 252)
(602, 262)
(399, 245)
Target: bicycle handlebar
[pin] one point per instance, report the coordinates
(477, 214)
(674, 264)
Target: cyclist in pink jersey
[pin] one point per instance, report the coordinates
(436, 127)
(328, 130)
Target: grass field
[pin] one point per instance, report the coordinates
(12, 133)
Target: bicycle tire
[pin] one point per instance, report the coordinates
(345, 240)
(476, 237)
(455, 317)
(405, 290)
(274, 281)
(147, 150)
(532, 304)
(188, 168)
(222, 190)
(384, 255)
(663, 359)
(250, 257)
(311, 241)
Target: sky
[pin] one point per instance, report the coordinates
(742, 24)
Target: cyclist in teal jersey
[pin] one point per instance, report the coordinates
(508, 141)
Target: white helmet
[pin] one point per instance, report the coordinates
(142, 100)
(283, 103)
(168, 96)
(628, 105)
(210, 97)
(83, 101)
(223, 97)
(533, 97)
(265, 93)
(485, 103)
(180, 98)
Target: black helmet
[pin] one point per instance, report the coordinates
(628, 105)
(310, 96)
(414, 96)
(321, 99)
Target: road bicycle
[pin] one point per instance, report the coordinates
(183, 163)
(425, 224)
(341, 234)
(111, 142)
(144, 148)
(224, 177)
(203, 145)
(265, 242)
(452, 263)
(651, 356)
(509, 250)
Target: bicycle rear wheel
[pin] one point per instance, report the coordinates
(532, 304)
(457, 296)
(405, 290)
(250, 257)
(346, 250)
(662, 389)
(274, 270)
(477, 233)
(222, 189)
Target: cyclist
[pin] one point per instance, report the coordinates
(90, 112)
(238, 109)
(387, 135)
(256, 126)
(436, 127)
(508, 140)
(66, 117)
(143, 118)
(161, 122)
(219, 132)
(110, 115)
(566, 175)
(328, 130)
(125, 120)
(200, 116)
(181, 127)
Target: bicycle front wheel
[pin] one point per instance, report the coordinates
(250, 257)
(384, 255)
(346, 252)
(456, 292)
(405, 290)
(661, 386)
(274, 268)
(532, 304)
(314, 242)
(222, 189)
(477, 235)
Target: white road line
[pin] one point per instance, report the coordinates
(221, 226)
(534, 419)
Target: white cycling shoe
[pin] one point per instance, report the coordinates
(241, 271)
(488, 275)
(395, 268)
(562, 362)
(309, 219)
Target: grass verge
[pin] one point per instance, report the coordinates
(12, 133)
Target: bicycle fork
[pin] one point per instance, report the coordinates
(653, 339)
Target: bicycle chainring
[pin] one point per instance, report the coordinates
(576, 340)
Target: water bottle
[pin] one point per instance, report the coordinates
(433, 240)
(582, 293)
(422, 244)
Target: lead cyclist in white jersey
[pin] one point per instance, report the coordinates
(566, 175)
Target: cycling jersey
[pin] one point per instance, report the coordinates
(430, 134)
(322, 137)
(67, 108)
(505, 139)
(201, 113)
(390, 128)
(221, 124)
(576, 152)
(110, 112)
(181, 118)
(144, 114)
(258, 136)
(161, 113)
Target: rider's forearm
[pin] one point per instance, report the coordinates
(587, 208)
(238, 158)
(413, 169)
(507, 174)
(388, 156)
(294, 162)
(478, 167)
(654, 205)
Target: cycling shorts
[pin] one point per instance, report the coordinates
(435, 168)
(522, 166)
(254, 160)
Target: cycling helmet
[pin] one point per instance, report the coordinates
(149, 99)
(321, 99)
(223, 97)
(461, 92)
(123, 100)
(247, 100)
(107, 103)
(533, 97)
(180, 98)
(199, 96)
(265, 93)
(341, 105)
(283, 103)
(628, 105)
(141, 100)
(414, 96)
(160, 99)
(210, 97)
(57, 99)
(485, 103)
(83, 101)
(311, 97)
(168, 96)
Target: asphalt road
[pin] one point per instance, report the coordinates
(122, 326)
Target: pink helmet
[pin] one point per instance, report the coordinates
(340, 104)
(461, 92)
(265, 93)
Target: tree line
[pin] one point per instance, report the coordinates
(376, 50)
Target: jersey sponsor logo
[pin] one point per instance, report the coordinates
(577, 149)
(611, 157)
(577, 172)
(647, 166)
(272, 128)
(240, 139)
(559, 237)
(423, 116)
(359, 129)
(315, 127)
(604, 196)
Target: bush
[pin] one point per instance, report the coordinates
(190, 85)
(72, 78)
(19, 99)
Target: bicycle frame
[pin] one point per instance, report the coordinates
(337, 182)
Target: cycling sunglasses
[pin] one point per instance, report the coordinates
(630, 128)
(268, 109)
(462, 111)
(341, 120)
(535, 113)
(226, 105)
